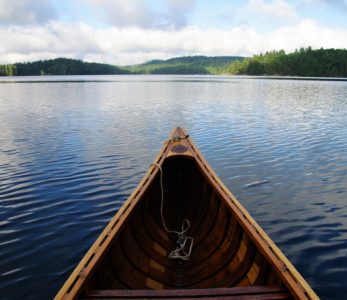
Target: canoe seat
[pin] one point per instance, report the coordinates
(249, 292)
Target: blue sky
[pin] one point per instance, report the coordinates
(133, 31)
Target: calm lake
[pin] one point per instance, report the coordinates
(72, 149)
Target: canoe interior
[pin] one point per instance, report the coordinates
(223, 254)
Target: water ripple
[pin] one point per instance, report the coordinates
(72, 152)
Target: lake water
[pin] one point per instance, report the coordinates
(73, 148)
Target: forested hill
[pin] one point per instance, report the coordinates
(303, 62)
(186, 65)
(179, 65)
(59, 66)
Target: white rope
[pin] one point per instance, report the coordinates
(184, 244)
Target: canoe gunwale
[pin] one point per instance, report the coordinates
(75, 284)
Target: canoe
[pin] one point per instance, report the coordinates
(183, 234)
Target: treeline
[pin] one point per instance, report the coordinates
(185, 65)
(302, 62)
(59, 66)
(178, 65)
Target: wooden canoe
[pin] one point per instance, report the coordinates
(231, 256)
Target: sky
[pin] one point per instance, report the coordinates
(124, 32)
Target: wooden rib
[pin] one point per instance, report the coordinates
(216, 210)
(232, 272)
(217, 236)
(195, 270)
(248, 254)
(140, 228)
(203, 274)
(149, 212)
(130, 273)
(156, 232)
(204, 206)
(263, 266)
(143, 263)
(105, 277)
(215, 239)
(143, 266)
(202, 253)
(119, 264)
(149, 245)
(151, 266)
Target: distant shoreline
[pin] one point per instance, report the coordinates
(152, 77)
(313, 64)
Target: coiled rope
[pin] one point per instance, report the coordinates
(184, 243)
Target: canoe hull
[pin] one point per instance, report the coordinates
(231, 253)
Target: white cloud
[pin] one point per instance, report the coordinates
(130, 45)
(26, 11)
(307, 33)
(140, 13)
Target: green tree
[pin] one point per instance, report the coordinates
(302, 62)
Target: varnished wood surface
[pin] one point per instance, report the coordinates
(253, 292)
(230, 250)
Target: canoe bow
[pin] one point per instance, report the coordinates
(268, 272)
